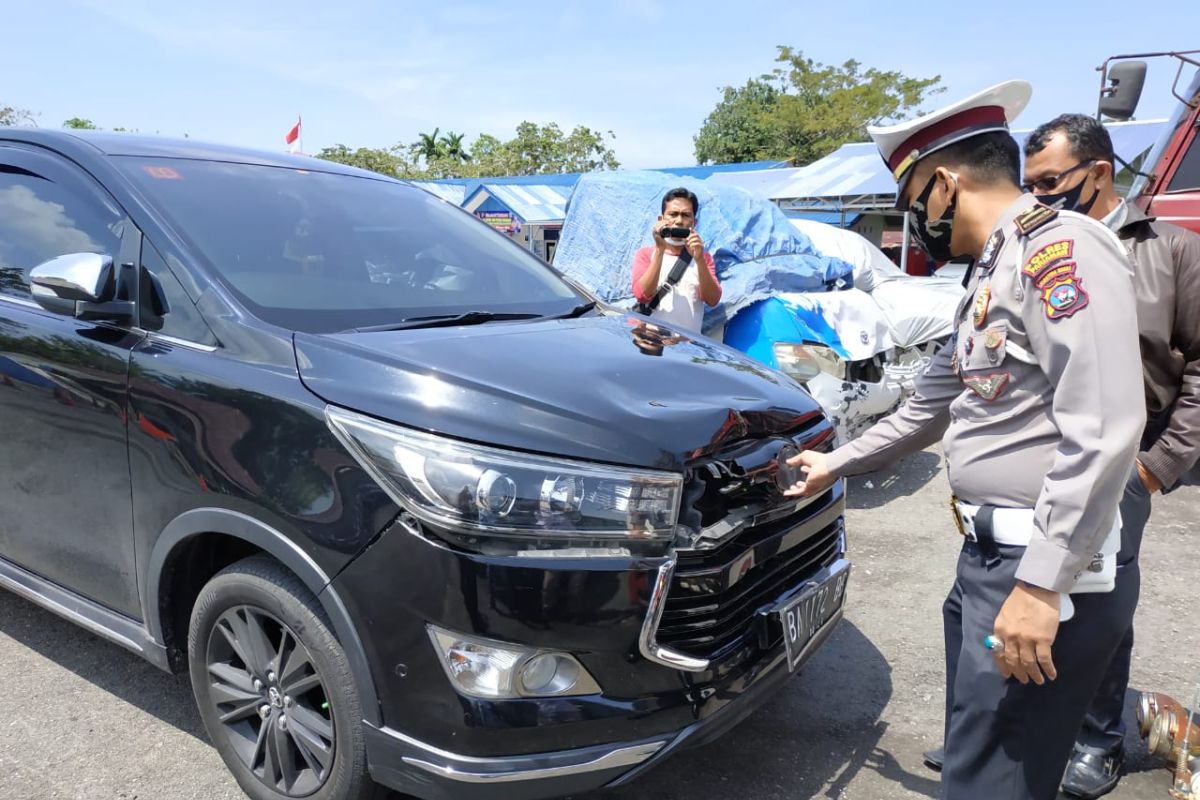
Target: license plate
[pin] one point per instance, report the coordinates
(806, 613)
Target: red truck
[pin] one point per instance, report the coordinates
(1169, 186)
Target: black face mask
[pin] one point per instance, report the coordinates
(1069, 200)
(933, 236)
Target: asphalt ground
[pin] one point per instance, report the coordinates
(84, 719)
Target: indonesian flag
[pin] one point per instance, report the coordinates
(293, 138)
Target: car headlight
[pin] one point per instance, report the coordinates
(495, 493)
(805, 361)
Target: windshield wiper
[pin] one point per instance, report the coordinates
(444, 321)
(577, 311)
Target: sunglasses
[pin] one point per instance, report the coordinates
(1050, 182)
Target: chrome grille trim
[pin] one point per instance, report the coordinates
(650, 649)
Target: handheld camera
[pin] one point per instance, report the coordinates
(674, 232)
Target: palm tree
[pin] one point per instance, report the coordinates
(452, 146)
(428, 146)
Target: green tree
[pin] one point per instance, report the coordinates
(385, 162)
(9, 115)
(81, 124)
(805, 110)
(488, 154)
(585, 150)
(452, 147)
(540, 150)
(740, 128)
(428, 146)
(535, 150)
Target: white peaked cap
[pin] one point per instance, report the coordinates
(906, 143)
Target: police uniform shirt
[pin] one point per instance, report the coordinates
(1038, 393)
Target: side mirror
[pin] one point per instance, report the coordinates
(1120, 99)
(80, 285)
(75, 276)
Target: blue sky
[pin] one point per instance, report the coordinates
(373, 73)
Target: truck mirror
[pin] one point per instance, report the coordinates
(1120, 99)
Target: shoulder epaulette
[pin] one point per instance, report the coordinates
(1034, 218)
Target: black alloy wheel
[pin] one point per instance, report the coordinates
(271, 701)
(274, 687)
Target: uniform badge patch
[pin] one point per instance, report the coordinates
(990, 248)
(1064, 294)
(988, 386)
(993, 343)
(1046, 257)
(983, 297)
(1032, 219)
(1055, 274)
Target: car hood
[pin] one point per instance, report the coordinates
(607, 387)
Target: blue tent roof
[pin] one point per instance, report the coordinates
(709, 170)
(530, 202)
(454, 193)
(570, 178)
(552, 179)
(460, 190)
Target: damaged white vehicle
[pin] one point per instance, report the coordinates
(858, 351)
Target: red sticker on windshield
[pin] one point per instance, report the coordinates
(163, 173)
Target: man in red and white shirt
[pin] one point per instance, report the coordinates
(683, 305)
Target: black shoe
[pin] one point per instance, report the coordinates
(934, 759)
(1090, 775)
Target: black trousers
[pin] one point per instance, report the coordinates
(1005, 740)
(1103, 730)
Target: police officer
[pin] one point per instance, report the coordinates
(1038, 404)
(1069, 164)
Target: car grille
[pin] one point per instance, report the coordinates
(720, 589)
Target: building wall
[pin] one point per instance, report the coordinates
(870, 227)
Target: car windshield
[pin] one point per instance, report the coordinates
(1181, 114)
(318, 251)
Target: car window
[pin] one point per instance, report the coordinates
(317, 251)
(182, 320)
(41, 219)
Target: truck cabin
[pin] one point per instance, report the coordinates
(1168, 185)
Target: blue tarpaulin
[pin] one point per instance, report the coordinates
(758, 252)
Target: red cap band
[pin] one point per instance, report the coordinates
(971, 118)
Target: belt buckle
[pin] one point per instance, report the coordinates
(958, 522)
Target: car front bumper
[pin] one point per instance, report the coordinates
(406, 764)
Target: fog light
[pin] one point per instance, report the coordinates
(548, 674)
(498, 670)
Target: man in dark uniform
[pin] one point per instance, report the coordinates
(1038, 404)
(1069, 164)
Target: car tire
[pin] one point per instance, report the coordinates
(274, 687)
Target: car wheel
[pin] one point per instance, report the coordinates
(274, 687)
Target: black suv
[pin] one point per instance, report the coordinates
(411, 509)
